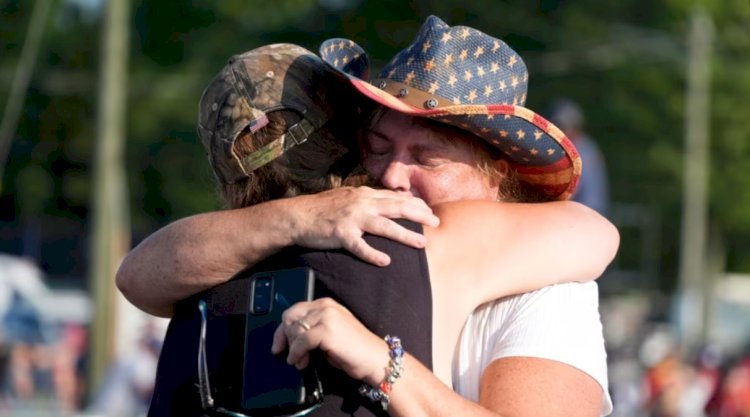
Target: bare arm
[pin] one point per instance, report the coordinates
(522, 386)
(515, 387)
(199, 252)
(500, 249)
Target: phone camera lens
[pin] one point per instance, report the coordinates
(261, 299)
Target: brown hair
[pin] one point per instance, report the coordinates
(319, 164)
(512, 189)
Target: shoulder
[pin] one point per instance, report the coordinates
(559, 322)
(537, 321)
(560, 296)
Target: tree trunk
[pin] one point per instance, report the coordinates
(110, 236)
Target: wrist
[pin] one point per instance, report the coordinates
(381, 391)
(289, 224)
(379, 363)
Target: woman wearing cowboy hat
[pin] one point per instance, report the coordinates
(454, 95)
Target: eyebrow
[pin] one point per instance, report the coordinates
(379, 134)
(432, 144)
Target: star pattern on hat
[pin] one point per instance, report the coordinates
(472, 74)
(429, 65)
(466, 61)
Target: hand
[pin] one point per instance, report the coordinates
(338, 219)
(345, 342)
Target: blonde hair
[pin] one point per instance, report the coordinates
(512, 189)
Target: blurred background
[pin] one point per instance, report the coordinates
(98, 150)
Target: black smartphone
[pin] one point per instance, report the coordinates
(269, 383)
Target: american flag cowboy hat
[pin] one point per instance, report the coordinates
(463, 77)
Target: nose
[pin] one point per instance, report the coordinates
(396, 177)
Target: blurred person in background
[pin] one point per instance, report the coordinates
(733, 396)
(40, 365)
(4, 360)
(27, 335)
(20, 325)
(593, 186)
(67, 370)
(709, 372)
(129, 382)
(672, 385)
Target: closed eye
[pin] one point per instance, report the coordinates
(377, 143)
(429, 158)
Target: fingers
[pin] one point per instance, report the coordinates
(290, 326)
(319, 316)
(280, 340)
(411, 208)
(332, 330)
(390, 204)
(390, 229)
(299, 350)
(293, 331)
(303, 329)
(386, 228)
(338, 219)
(359, 248)
(403, 206)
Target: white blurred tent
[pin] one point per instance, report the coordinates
(22, 278)
(20, 275)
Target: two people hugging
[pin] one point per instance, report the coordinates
(432, 206)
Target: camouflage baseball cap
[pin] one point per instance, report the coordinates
(272, 77)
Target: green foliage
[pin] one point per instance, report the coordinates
(622, 61)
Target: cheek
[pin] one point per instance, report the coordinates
(438, 187)
(373, 167)
(459, 183)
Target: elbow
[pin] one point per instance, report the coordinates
(123, 281)
(126, 281)
(608, 239)
(600, 240)
(611, 243)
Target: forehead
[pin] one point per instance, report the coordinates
(399, 128)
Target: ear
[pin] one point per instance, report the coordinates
(502, 165)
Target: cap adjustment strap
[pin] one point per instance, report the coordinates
(298, 133)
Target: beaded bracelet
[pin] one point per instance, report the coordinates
(394, 370)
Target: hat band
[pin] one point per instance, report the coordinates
(298, 133)
(412, 96)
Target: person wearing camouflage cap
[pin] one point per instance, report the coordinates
(367, 202)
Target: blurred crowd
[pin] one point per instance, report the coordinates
(43, 365)
(654, 375)
(45, 369)
(43, 355)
